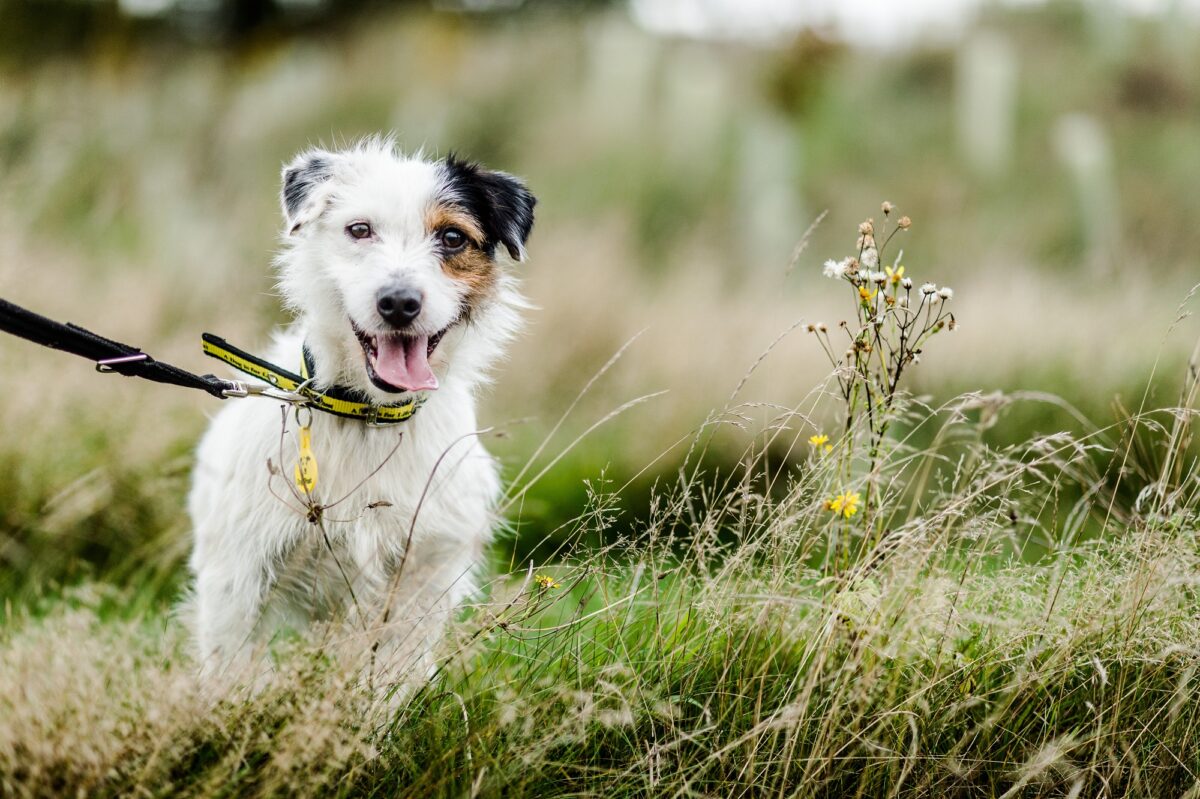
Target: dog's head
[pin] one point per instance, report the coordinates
(391, 264)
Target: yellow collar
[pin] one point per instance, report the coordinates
(338, 400)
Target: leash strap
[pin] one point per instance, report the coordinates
(109, 355)
(336, 400)
(125, 359)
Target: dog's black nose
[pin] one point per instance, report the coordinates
(399, 307)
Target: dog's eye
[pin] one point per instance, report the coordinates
(453, 238)
(359, 230)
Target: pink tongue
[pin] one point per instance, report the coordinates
(403, 362)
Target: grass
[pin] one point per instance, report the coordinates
(719, 654)
(1018, 619)
(992, 621)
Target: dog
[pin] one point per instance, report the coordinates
(394, 269)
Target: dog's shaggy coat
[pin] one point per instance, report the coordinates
(410, 506)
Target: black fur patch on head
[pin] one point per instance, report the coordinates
(501, 203)
(299, 179)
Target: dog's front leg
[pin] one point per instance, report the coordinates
(419, 604)
(230, 593)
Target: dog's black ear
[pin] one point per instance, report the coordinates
(304, 192)
(501, 203)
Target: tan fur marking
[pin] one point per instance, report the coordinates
(470, 265)
(443, 216)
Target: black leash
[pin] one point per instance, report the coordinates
(280, 384)
(109, 355)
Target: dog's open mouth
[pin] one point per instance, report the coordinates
(398, 362)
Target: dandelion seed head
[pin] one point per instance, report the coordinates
(929, 288)
(904, 223)
(945, 292)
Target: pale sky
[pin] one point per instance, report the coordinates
(883, 23)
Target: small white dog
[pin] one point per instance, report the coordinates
(390, 266)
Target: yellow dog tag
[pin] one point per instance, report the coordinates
(306, 467)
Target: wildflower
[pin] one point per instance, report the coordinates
(836, 269)
(887, 207)
(904, 223)
(844, 504)
(870, 256)
(865, 295)
(821, 443)
(906, 283)
(867, 228)
(929, 288)
(545, 582)
(878, 277)
(894, 275)
(945, 292)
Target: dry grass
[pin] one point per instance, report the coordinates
(1026, 627)
(715, 656)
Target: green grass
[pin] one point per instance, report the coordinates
(717, 653)
(1026, 627)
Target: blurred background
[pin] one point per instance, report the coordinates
(1048, 154)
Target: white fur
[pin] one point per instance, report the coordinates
(259, 564)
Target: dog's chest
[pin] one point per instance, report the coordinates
(384, 486)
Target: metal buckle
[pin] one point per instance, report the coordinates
(105, 366)
(241, 389)
(372, 417)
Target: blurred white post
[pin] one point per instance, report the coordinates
(695, 103)
(621, 66)
(1108, 29)
(987, 103)
(769, 213)
(1083, 147)
(1177, 31)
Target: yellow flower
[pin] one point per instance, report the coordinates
(866, 295)
(821, 443)
(895, 275)
(546, 582)
(845, 504)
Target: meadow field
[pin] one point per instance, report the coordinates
(726, 569)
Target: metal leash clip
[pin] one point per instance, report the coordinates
(106, 365)
(241, 389)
